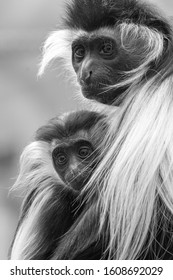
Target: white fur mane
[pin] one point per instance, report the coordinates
(137, 167)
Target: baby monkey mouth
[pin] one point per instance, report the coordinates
(78, 181)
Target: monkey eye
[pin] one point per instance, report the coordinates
(60, 159)
(79, 52)
(107, 48)
(84, 152)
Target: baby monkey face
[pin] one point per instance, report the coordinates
(74, 162)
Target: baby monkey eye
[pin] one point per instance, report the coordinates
(61, 159)
(79, 51)
(84, 152)
(107, 48)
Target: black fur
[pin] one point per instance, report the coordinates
(90, 15)
(75, 121)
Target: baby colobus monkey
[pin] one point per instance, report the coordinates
(74, 161)
(74, 153)
(54, 170)
(121, 54)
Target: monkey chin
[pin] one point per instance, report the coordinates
(112, 96)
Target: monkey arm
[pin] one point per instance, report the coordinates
(46, 215)
(81, 238)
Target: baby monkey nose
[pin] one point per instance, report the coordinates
(71, 175)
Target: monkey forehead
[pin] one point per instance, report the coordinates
(101, 32)
(81, 135)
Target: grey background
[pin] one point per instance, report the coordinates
(25, 101)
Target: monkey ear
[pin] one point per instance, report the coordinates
(58, 45)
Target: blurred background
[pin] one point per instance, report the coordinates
(25, 101)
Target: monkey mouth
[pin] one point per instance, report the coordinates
(103, 94)
(77, 183)
(98, 93)
(92, 91)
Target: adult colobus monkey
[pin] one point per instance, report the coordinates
(54, 170)
(122, 53)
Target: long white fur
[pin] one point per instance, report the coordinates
(42, 178)
(140, 151)
(137, 148)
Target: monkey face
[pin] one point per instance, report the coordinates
(98, 63)
(74, 162)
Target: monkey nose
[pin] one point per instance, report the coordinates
(72, 175)
(86, 77)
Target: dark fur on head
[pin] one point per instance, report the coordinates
(90, 15)
(68, 125)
